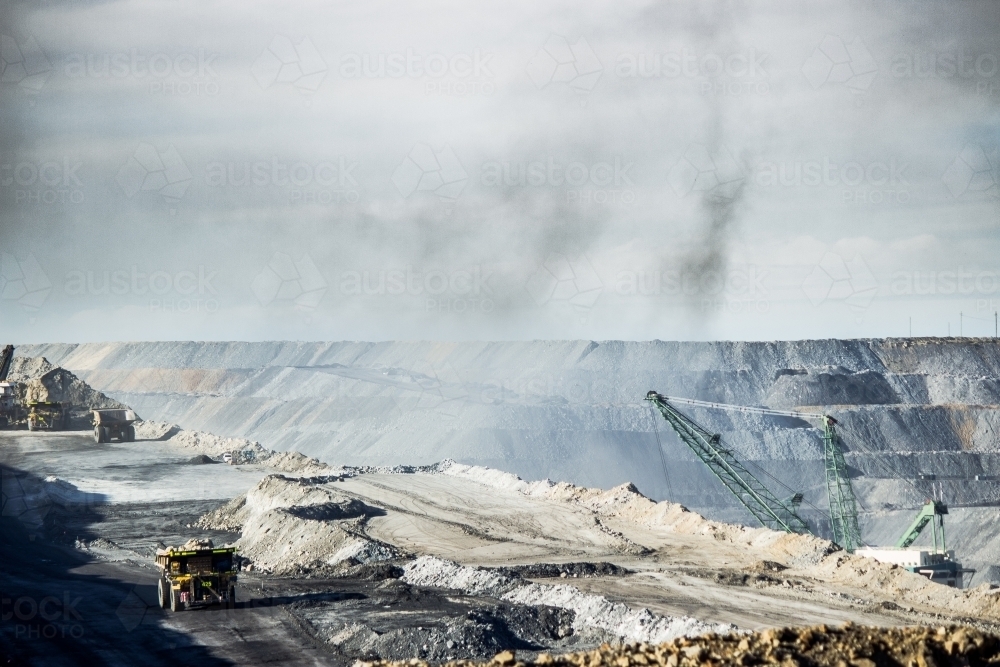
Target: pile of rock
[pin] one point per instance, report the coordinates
(194, 544)
(820, 646)
(44, 381)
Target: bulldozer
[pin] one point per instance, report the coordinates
(196, 575)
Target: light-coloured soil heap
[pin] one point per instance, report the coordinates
(808, 556)
(820, 646)
(291, 525)
(154, 430)
(313, 523)
(626, 502)
(242, 450)
(245, 451)
(23, 369)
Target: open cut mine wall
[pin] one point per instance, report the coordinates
(919, 417)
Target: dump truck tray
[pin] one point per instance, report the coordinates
(107, 417)
(114, 423)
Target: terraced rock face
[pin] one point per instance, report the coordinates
(573, 410)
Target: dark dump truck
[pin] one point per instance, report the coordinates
(110, 424)
(197, 577)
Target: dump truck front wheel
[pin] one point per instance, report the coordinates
(130, 433)
(175, 600)
(97, 434)
(232, 597)
(163, 593)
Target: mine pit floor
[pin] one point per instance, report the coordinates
(110, 505)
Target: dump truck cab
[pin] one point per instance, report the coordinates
(196, 577)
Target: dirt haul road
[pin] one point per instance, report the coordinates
(79, 521)
(65, 608)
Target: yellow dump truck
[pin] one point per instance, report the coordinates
(197, 577)
(47, 416)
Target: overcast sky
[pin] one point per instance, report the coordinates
(393, 170)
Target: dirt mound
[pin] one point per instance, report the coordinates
(279, 542)
(229, 516)
(201, 459)
(906, 588)
(207, 443)
(625, 502)
(306, 499)
(24, 369)
(297, 463)
(819, 646)
(153, 430)
(59, 385)
(242, 450)
(294, 525)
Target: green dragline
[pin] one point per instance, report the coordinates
(763, 504)
(752, 494)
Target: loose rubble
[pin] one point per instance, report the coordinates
(820, 646)
(194, 544)
(564, 570)
(479, 632)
